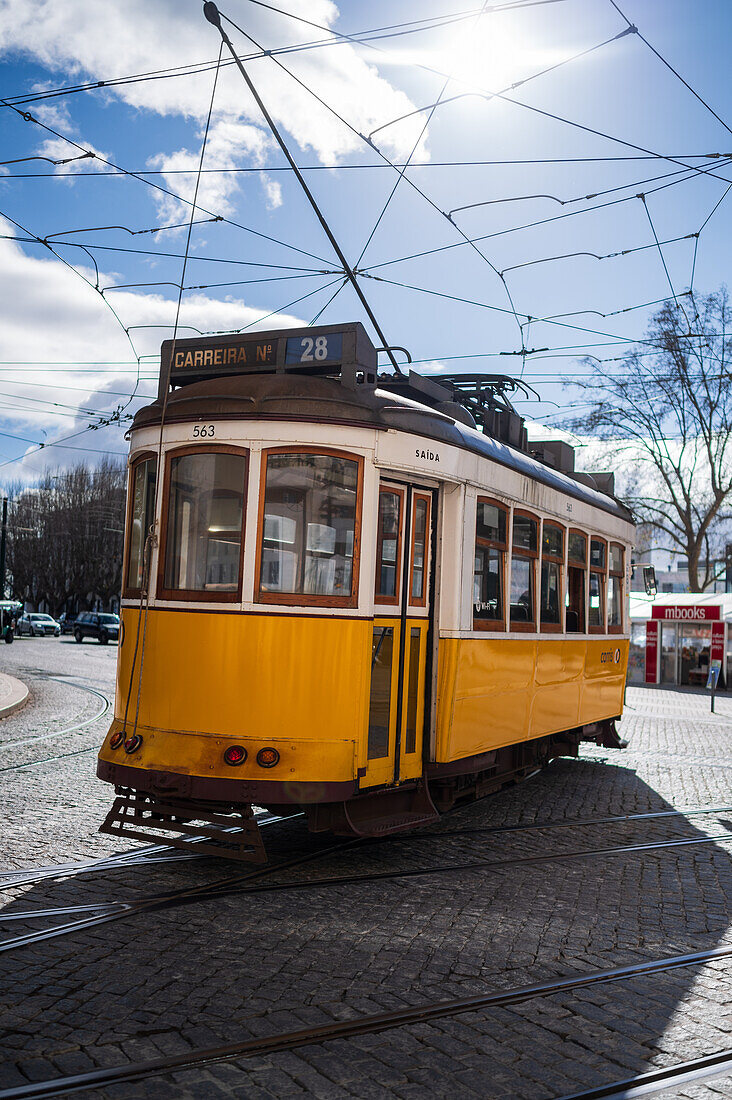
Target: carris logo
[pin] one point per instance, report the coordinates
(431, 455)
(607, 657)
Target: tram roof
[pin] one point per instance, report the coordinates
(321, 399)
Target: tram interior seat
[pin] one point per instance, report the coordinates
(519, 613)
(572, 621)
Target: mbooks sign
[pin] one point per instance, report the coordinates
(323, 350)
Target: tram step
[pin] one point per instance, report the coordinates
(229, 835)
(390, 811)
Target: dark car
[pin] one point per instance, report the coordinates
(96, 624)
(66, 622)
(37, 625)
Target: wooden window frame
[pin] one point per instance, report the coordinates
(420, 601)
(572, 564)
(301, 599)
(196, 595)
(142, 456)
(529, 555)
(493, 544)
(619, 575)
(554, 628)
(602, 629)
(390, 601)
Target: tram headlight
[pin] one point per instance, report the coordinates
(116, 739)
(132, 744)
(267, 758)
(235, 755)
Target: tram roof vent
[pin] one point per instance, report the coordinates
(554, 453)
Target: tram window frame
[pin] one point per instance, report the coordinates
(575, 565)
(308, 599)
(426, 498)
(600, 572)
(532, 556)
(498, 624)
(129, 590)
(616, 575)
(552, 559)
(201, 595)
(380, 599)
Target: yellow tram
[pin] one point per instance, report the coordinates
(354, 595)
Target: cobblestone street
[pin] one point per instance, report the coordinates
(523, 887)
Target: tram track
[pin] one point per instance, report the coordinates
(76, 727)
(373, 1023)
(165, 853)
(237, 885)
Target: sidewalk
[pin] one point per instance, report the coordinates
(12, 694)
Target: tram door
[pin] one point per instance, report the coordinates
(402, 613)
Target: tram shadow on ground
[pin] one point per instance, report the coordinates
(535, 883)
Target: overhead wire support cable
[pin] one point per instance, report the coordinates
(669, 66)
(212, 14)
(28, 117)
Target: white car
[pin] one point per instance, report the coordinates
(37, 625)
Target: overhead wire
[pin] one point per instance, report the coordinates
(670, 67)
(383, 165)
(27, 117)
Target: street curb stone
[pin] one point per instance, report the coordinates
(13, 694)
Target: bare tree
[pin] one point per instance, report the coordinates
(665, 415)
(65, 537)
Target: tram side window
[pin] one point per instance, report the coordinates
(576, 577)
(388, 545)
(552, 565)
(615, 589)
(309, 529)
(204, 529)
(523, 572)
(598, 565)
(489, 570)
(142, 515)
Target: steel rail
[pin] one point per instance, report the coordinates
(567, 823)
(645, 1084)
(69, 729)
(236, 885)
(135, 857)
(147, 855)
(360, 1025)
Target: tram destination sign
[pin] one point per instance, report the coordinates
(322, 350)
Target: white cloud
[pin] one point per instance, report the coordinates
(62, 344)
(82, 39)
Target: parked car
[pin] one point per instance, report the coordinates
(66, 622)
(96, 624)
(37, 625)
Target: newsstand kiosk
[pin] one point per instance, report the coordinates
(684, 633)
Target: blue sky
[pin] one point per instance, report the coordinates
(67, 362)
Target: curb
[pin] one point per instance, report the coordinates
(13, 694)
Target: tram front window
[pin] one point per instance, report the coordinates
(309, 525)
(204, 530)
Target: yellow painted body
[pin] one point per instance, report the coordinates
(301, 684)
(498, 691)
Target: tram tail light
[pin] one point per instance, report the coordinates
(116, 739)
(235, 755)
(267, 758)
(132, 744)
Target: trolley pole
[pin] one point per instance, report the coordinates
(3, 537)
